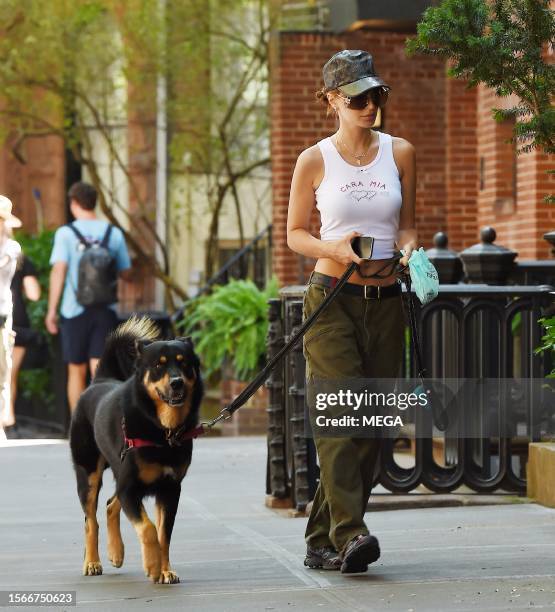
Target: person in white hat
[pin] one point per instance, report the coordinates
(9, 252)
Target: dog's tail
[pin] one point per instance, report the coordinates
(120, 351)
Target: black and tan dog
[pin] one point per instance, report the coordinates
(144, 391)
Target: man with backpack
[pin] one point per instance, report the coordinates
(87, 258)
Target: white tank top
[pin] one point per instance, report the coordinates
(366, 199)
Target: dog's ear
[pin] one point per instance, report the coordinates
(186, 340)
(140, 345)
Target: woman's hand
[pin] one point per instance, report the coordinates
(408, 248)
(342, 251)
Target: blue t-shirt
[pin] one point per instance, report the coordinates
(66, 248)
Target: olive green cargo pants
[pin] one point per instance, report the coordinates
(353, 337)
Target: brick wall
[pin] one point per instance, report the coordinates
(450, 126)
(514, 186)
(461, 165)
(415, 111)
(297, 122)
(43, 170)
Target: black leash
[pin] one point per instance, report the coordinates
(176, 437)
(439, 412)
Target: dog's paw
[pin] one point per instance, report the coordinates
(168, 577)
(152, 562)
(92, 568)
(116, 559)
(116, 553)
(153, 573)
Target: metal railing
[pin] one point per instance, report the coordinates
(533, 272)
(241, 259)
(468, 331)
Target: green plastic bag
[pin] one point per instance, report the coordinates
(423, 275)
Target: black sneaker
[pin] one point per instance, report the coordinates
(325, 557)
(11, 432)
(359, 553)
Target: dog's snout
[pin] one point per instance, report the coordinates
(177, 383)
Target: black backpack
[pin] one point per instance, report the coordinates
(97, 280)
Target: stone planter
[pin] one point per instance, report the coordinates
(445, 261)
(487, 263)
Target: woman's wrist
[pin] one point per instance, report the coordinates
(328, 248)
(304, 243)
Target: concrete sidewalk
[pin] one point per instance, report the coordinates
(234, 554)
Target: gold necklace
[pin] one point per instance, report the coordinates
(357, 157)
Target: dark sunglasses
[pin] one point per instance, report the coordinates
(377, 95)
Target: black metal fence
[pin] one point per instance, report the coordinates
(468, 331)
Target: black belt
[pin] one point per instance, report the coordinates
(369, 292)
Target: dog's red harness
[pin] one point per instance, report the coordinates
(130, 443)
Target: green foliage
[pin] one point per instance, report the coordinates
(37, 384)
(38, 249)
(548, 341)
(52, 58)
(218, 81)
(499, 43)
(81, 69)
(231, 323)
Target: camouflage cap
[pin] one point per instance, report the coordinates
(352, 72)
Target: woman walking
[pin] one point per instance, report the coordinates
(363, 183)
(25, 284)
(9, 253)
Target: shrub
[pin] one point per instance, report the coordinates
(548, 340)
(231, 323)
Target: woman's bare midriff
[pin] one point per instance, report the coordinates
(334, 268)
